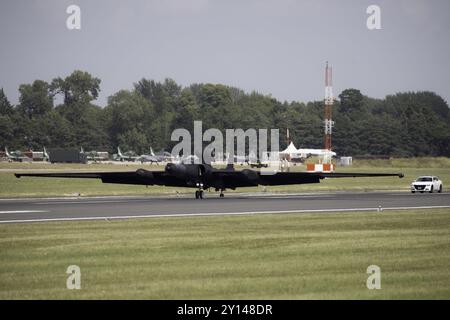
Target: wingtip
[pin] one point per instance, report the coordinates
(401, 175)
(17, 175)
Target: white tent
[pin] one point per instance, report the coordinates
(291, 149)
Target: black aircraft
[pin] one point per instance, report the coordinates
(203, 176)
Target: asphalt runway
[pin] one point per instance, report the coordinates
(67, 209)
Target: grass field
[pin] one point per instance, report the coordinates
(41, 187)
(295, 256)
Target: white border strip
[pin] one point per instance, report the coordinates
(218, 214)
(22, 211)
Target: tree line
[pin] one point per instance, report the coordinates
(400, 125)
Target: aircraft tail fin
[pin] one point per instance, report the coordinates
(7, 153)
(45, 154)
(152, 152)
(119, 152)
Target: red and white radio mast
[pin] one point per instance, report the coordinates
(328, 123)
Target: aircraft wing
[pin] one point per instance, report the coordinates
(356, 175)
(67, 174)
(248, 177)
(217, 179)
(129, 177)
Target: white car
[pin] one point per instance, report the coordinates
(426, 183)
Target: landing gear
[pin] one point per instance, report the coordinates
(199, 194)
(221, 192)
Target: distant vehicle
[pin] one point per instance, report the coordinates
(66, 155)
(39, 155)
(17, 156)
(297, 159)
(127, 156)
(258, 164)
(426, 183)
(95, 155)
(241, 160)
(306, 153)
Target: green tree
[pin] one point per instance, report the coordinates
(6, 131)
(211, 95)
(133, 140)
(404, 124)
(351, 101)
(6, 122)
(165, 99)
(187, 111)
(35, 99)
(128, 112)
(6, 108)
(79, 89)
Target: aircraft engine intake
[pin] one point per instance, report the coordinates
(190, 172)
(147, 175)
(251, 176)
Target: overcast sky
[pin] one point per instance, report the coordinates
(276, 47)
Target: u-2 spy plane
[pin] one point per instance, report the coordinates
(204, 176)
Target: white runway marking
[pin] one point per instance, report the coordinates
(220, 214)
(82, 201)
(125, 200)
(22, 211)
(86, 202)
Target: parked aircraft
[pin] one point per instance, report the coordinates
(203, 176)
(149, 158)
(191, 159)
(40, 155)
(17, 156)
(127, 156)
(162, 156)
